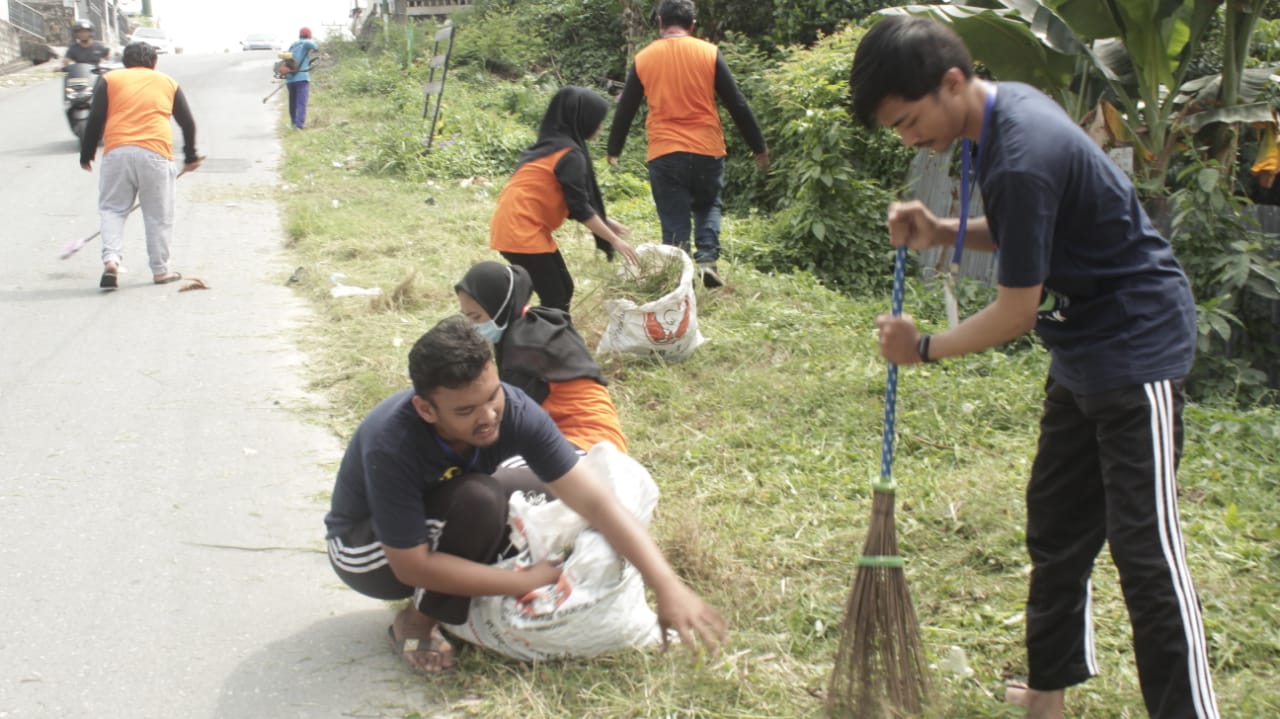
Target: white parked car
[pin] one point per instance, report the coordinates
(155, 37)
(260, 41)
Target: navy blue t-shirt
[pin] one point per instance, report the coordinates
(1117, 308)
(395, 458)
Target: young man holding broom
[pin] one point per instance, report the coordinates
(1080, 262)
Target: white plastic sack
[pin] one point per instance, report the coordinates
(598, 605)
(667, 326)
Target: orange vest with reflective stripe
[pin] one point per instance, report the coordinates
(139, 105)
(679, 78)
(530, 207)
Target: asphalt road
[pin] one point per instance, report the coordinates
(161, 488)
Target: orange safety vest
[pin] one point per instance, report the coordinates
(139, 105)
(679, 78)
(530, 208)
(584, 412)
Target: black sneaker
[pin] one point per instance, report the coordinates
(710, 277)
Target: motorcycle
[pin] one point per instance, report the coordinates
(77, 92)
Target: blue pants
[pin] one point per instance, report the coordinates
(298, 94)
(686, 184)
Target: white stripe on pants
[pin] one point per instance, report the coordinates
(130, 172)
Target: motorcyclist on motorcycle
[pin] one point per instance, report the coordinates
(84, 49)
(84, 60)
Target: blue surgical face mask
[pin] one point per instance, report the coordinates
(490, 330)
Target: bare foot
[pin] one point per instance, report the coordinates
(1039, 705)
(417, 639)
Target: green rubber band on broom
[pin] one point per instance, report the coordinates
(884, 486)
(882, 561)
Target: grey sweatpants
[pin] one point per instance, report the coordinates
(130, 172)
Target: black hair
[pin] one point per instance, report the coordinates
(676, 13)
(450, 355)
(906, 57)
(139, 54)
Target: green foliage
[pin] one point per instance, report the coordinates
(576, 42)
(497, 36)
(1224, 256)
(804, 23)
(585, 38)
(831, 180)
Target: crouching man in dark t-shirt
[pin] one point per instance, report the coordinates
(420, 506)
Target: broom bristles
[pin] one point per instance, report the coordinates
(879, 669)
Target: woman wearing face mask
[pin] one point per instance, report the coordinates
(554, 179)
(538, 350)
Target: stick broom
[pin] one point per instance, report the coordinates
(879, 667)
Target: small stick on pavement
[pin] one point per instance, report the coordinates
(74, 246)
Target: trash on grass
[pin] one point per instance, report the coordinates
(341, 290)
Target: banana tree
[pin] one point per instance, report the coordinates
(1134, 53)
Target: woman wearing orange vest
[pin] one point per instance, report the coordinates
(538, 350)
(681, 77)
(130, 115)
(553, 180)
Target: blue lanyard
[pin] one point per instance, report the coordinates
(966, 180)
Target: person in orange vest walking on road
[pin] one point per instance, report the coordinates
(130, 116)
(681, 76)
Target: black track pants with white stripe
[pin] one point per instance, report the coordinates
(1105, 472)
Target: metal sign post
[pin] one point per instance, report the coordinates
(439, 61)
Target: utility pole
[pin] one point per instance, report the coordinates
(146, 8)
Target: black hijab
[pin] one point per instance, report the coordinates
(539, 344)
(573, 115)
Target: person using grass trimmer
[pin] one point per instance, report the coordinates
(298, 76)
(1080, 262)
(420, 504)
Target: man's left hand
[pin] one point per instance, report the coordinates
(191, 166)
(697, 623)
(86, 166)
(898, 339)
(762, 161)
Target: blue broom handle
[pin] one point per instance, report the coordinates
(891, 386)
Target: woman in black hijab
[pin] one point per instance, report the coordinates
(554, 179)
(539, 351)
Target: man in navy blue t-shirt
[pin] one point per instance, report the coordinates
(1080, 262)
(420, 505)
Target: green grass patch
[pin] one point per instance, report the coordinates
(763, 443)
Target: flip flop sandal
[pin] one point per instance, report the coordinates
(171, 277)
(109, 281)
(413, 644)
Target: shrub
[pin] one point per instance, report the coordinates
(1237, 286)
(498, 36)
(573, 40)
(831, 180)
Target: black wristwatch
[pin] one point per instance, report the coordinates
(922, 348)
